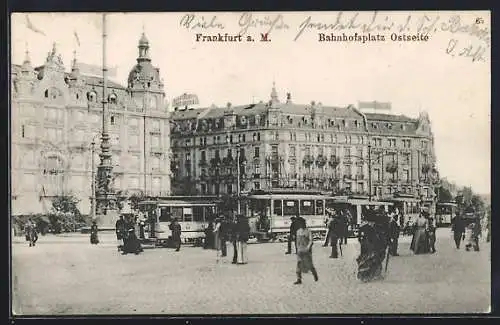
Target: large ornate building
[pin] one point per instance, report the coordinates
(55, 116)
(283, 144)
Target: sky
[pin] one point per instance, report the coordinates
(448, 75)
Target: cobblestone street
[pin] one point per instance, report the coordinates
(66, 275)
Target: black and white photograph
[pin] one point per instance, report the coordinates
(250, 163)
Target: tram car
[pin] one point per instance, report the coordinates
(445, 211)
(356, 207)
(269, 212)
(192, 212)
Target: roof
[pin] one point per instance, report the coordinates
(259, 108)
(388, 117)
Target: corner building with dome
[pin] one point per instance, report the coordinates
(55, 117)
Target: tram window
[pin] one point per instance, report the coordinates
(197, 213)
(188, 214)
(278, 209)
(290, 207)
(165, 215)
(177, 213)
(307, 207)
(319, 207)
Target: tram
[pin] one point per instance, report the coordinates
(193, 214)
(356, 206)
(445, 211)
(269, 212)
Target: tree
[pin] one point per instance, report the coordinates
(135, 199)
(65, 213)
(444, 194)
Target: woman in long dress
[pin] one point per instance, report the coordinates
(93, 234)
(304, 251)
(243, 233)
(420, 241)
(373, 239)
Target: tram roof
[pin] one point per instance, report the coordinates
(184, 201)
(285, 191)
(447, 204)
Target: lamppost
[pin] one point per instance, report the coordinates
(92, 183)
(228, 142)
(369, 161)
(104, 197)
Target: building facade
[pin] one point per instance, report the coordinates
(287, 145)
(55, 117)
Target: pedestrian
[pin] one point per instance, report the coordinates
(243, 233)
(327, 224)
(304, 251)
(394, 230)
(120, 232)
(132, 244)
(346, 220)
(142, 225)
(292, 234)
(431, 234)
(220, 232)
(458, 229)
(209, 236)
(420, 242)
(373, 240)
(233, 228)
(336, 229)
(176, 229)
(93, 233)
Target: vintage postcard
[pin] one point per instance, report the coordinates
(257, 163)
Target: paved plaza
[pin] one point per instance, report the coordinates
(65, 275)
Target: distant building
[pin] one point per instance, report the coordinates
(288, 145)
(55, 117)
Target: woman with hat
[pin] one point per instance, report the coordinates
(420, 241)
(373, 238)
(93, 234)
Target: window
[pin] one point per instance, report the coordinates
(257, 169)
(203, 156)
(112, 98)
(155, 141)
(256, 185)
(22, 131)
(406, 158)
(292, 151)
(392, 142)
(319, 207)
(307, 207)
(258, 136)
(133, 140)
(277, 207)
(290, 207)
(424, 144)
(406, 175)
(112, 120)
(347, 152)
(155, 163)
(376, 175)
(256, 152)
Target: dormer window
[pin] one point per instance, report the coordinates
(374, 125)
(92, 96)
(389, 126)
(112, 98)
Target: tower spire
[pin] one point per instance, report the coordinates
(274, 94)
(26, 54)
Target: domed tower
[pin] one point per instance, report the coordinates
(144, 83)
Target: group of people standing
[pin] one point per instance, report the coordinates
(468, 233)
(424, 236)
(126, 232)
(222, 230)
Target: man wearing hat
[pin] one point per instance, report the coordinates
(175, 227)
(292, 234)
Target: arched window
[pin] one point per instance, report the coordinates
(53, 174)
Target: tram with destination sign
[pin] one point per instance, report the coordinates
(192, 212)
(445, 211)
(269, 212)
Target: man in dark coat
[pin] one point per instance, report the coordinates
(346, 217)
(336, 234)
(233, 234)
(120, 231)
(458, 228)
(175, 227)
(327, 224)
(292, 234)
(394, 230)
